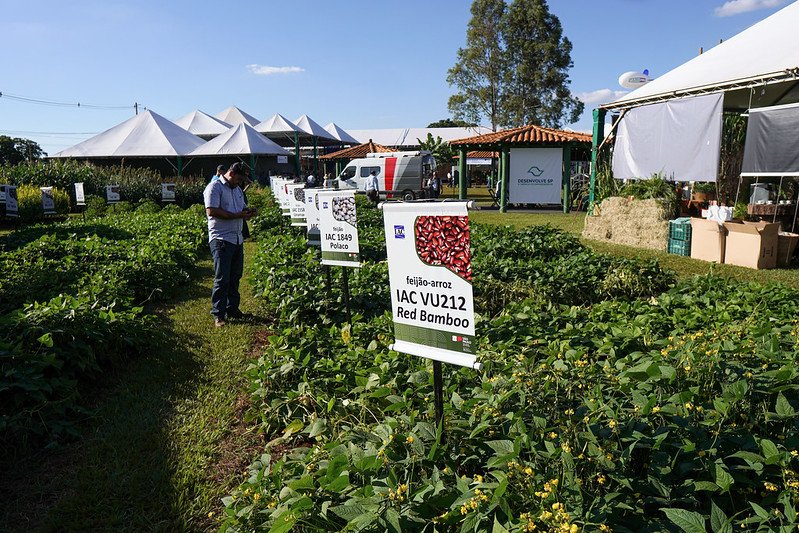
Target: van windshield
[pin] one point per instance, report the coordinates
(428, 164)
(348, 173)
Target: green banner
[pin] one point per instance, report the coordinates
(435, 338)
(350, 257)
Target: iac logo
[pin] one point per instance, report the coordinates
(324, 205)
(535, 171)
(399, 232)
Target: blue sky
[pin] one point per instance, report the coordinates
(361, 64)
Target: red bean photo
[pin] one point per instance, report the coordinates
(444, 241)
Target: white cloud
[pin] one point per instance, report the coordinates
(599, 96)
(263, 70)
(736, 7)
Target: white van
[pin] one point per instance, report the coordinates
(401, 174)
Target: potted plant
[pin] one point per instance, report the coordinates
(703, 192)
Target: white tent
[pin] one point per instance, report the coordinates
(144, 135)
(202, 124)
(306, 124)
(340, 134)
(240, 140)
(275, 124)
(761, 63)
(407, 137)
(233, 115)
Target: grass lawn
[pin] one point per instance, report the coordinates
(165, 439)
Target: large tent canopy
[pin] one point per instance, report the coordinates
(147, 134)
(311, 128)
(234, 116)
(281, 130)
(202, 124)
(340, 134)
(755, 68)
(240, 140)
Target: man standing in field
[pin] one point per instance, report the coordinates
(227, 210)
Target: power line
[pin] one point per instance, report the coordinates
(48, 133)
(64, 104)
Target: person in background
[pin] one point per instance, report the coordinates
(226, 210)
(220, 171)
(372, 188)
(450, 180)
(435, 186)
(310, 181)
(328, 183)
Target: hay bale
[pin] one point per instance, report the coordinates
(641, 223)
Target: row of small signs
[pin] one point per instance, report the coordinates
(9, 206)
(429, 264)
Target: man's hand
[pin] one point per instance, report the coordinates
(248, 212)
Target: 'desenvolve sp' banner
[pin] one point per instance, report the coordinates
(338, 227)
(536, 175)
(430, 273)
(48, 201)
(296, 194)
(312, 216)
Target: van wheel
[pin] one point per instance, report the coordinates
(408, 195)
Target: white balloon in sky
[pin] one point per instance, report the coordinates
(634, 79)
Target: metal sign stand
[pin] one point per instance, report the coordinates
(346, 282)
(438, 396)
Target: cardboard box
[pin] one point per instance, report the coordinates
(786, 244)
(707, 240)
(752, 244)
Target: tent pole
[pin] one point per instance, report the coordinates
(297, 152)
(462, 173)
(315, 158)
(596, 139)
(567, 177)
(503, 197)
(252, 165)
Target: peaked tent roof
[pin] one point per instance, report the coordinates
(306, 124)
(525, 134)
(354, 152)
(760, 56)
(277, 123)
(240, 140)
(340, 134)
(233, 116)
(147, 134)
(409, 136)
(200, 123)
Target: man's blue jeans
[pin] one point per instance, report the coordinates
(228, 269)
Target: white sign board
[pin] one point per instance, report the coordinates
(283, 197)
(282, 159)
(430, 273)
(296, 196)
(536, 175)
(112, 193)
(48, 201)
(12, 206)
(338, 226)
(80, 196)
(167, 192)
(3, 194)
(312, 216)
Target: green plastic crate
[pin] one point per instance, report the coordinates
(680, 247)
(680, 229)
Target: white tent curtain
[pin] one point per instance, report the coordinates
(772, 144)
(679, 140)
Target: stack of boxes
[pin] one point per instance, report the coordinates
(680, 236)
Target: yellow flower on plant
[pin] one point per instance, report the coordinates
(771, 487)
(553, 435)
(604, 528)
(478, 478)
(612, 423)
(528, 471)
(256, 496)
(601, 479)
(409, 440)
(211, 514)
(794, 453)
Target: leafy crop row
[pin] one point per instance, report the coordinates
(610, 399)
(71, 303)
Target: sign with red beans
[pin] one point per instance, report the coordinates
(430, 273)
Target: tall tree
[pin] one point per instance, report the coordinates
(16, 150)
(538, 63)
(478, 72)
(514, 68)
(449, 123)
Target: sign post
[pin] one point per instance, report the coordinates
(167, 192)
(296, 196)
(112, 194)
(10, 197)
(48, 201)
(312, 217)
(430, 275)
(338, 228)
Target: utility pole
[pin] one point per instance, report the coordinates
(136, 107)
